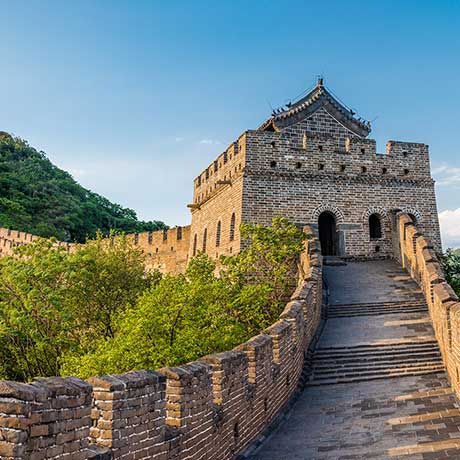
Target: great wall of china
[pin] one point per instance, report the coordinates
(218, 404)
(213, 408)
(370, 357)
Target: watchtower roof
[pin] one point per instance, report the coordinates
(318, 97)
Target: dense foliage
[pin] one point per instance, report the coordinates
(96, 311)
(53, 303)
(451, 265)
(39, 198)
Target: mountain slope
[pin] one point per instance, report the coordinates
(39, 198)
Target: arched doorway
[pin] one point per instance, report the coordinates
(327, 234)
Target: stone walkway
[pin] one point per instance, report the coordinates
(378, 389)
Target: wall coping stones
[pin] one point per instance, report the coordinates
(445, 293)
(292, 311)
(22, 391)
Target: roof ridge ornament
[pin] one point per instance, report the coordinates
(318, 97)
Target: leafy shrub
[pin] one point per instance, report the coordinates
(96, 310)
(53, 303)
(183, 317)
(451, 265)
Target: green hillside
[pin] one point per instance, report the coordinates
(39, 198)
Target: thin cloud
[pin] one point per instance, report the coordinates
(449, 220)
(446, 176)
(210, 142)
(78, 172)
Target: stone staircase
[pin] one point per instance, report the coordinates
(413, 305)
(375, 384)
(369, 362)
(362, 362)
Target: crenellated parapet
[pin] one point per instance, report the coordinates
(11, 239)
(417, 255)
(164, 250)
(222, 172)
(47, 419)
(320, 154)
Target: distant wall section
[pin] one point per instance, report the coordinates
(165, 250)
(217, 204)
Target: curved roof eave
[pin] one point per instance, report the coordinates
(309, 104)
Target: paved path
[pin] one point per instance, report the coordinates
(378, 388)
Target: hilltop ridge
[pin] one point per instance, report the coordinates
(39, 198)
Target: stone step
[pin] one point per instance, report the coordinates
(376, 368)
(408, 302)
(364, 378)
(389, 368)
(367, 363)
(416, 300)
(380, 373)
(333, 261)
(373, 313)
(368, 356)
(398, 308)
(374, 354)
(381, 345)
(322, 352)
(376, 308)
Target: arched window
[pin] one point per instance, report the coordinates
(205, 237)
(375, 227)
(232, 227)
(219, 225)
(195, 238)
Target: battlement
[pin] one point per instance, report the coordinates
(319, 153)
(310, 158)
(416, 254)
(406, 148)
(220, 173)
(165, 250)
(10, 239)
(212, 408)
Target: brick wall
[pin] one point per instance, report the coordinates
(47, 419)
(166, 250)
(301, 176)
(208, 409)
(10, 239)
(308, 167)
(218, 193)
(416, 254)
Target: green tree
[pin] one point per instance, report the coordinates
(95, 310)
(263, 275)
(451, 265)
(181, 318)
(36, 326)
(177, 320)
(53, 303)
(105, 276)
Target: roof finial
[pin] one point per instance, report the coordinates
(320, 81)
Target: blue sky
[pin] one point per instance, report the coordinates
(135, 98)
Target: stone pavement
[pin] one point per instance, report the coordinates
(378, 389)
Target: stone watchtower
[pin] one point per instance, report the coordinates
(313, 162)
